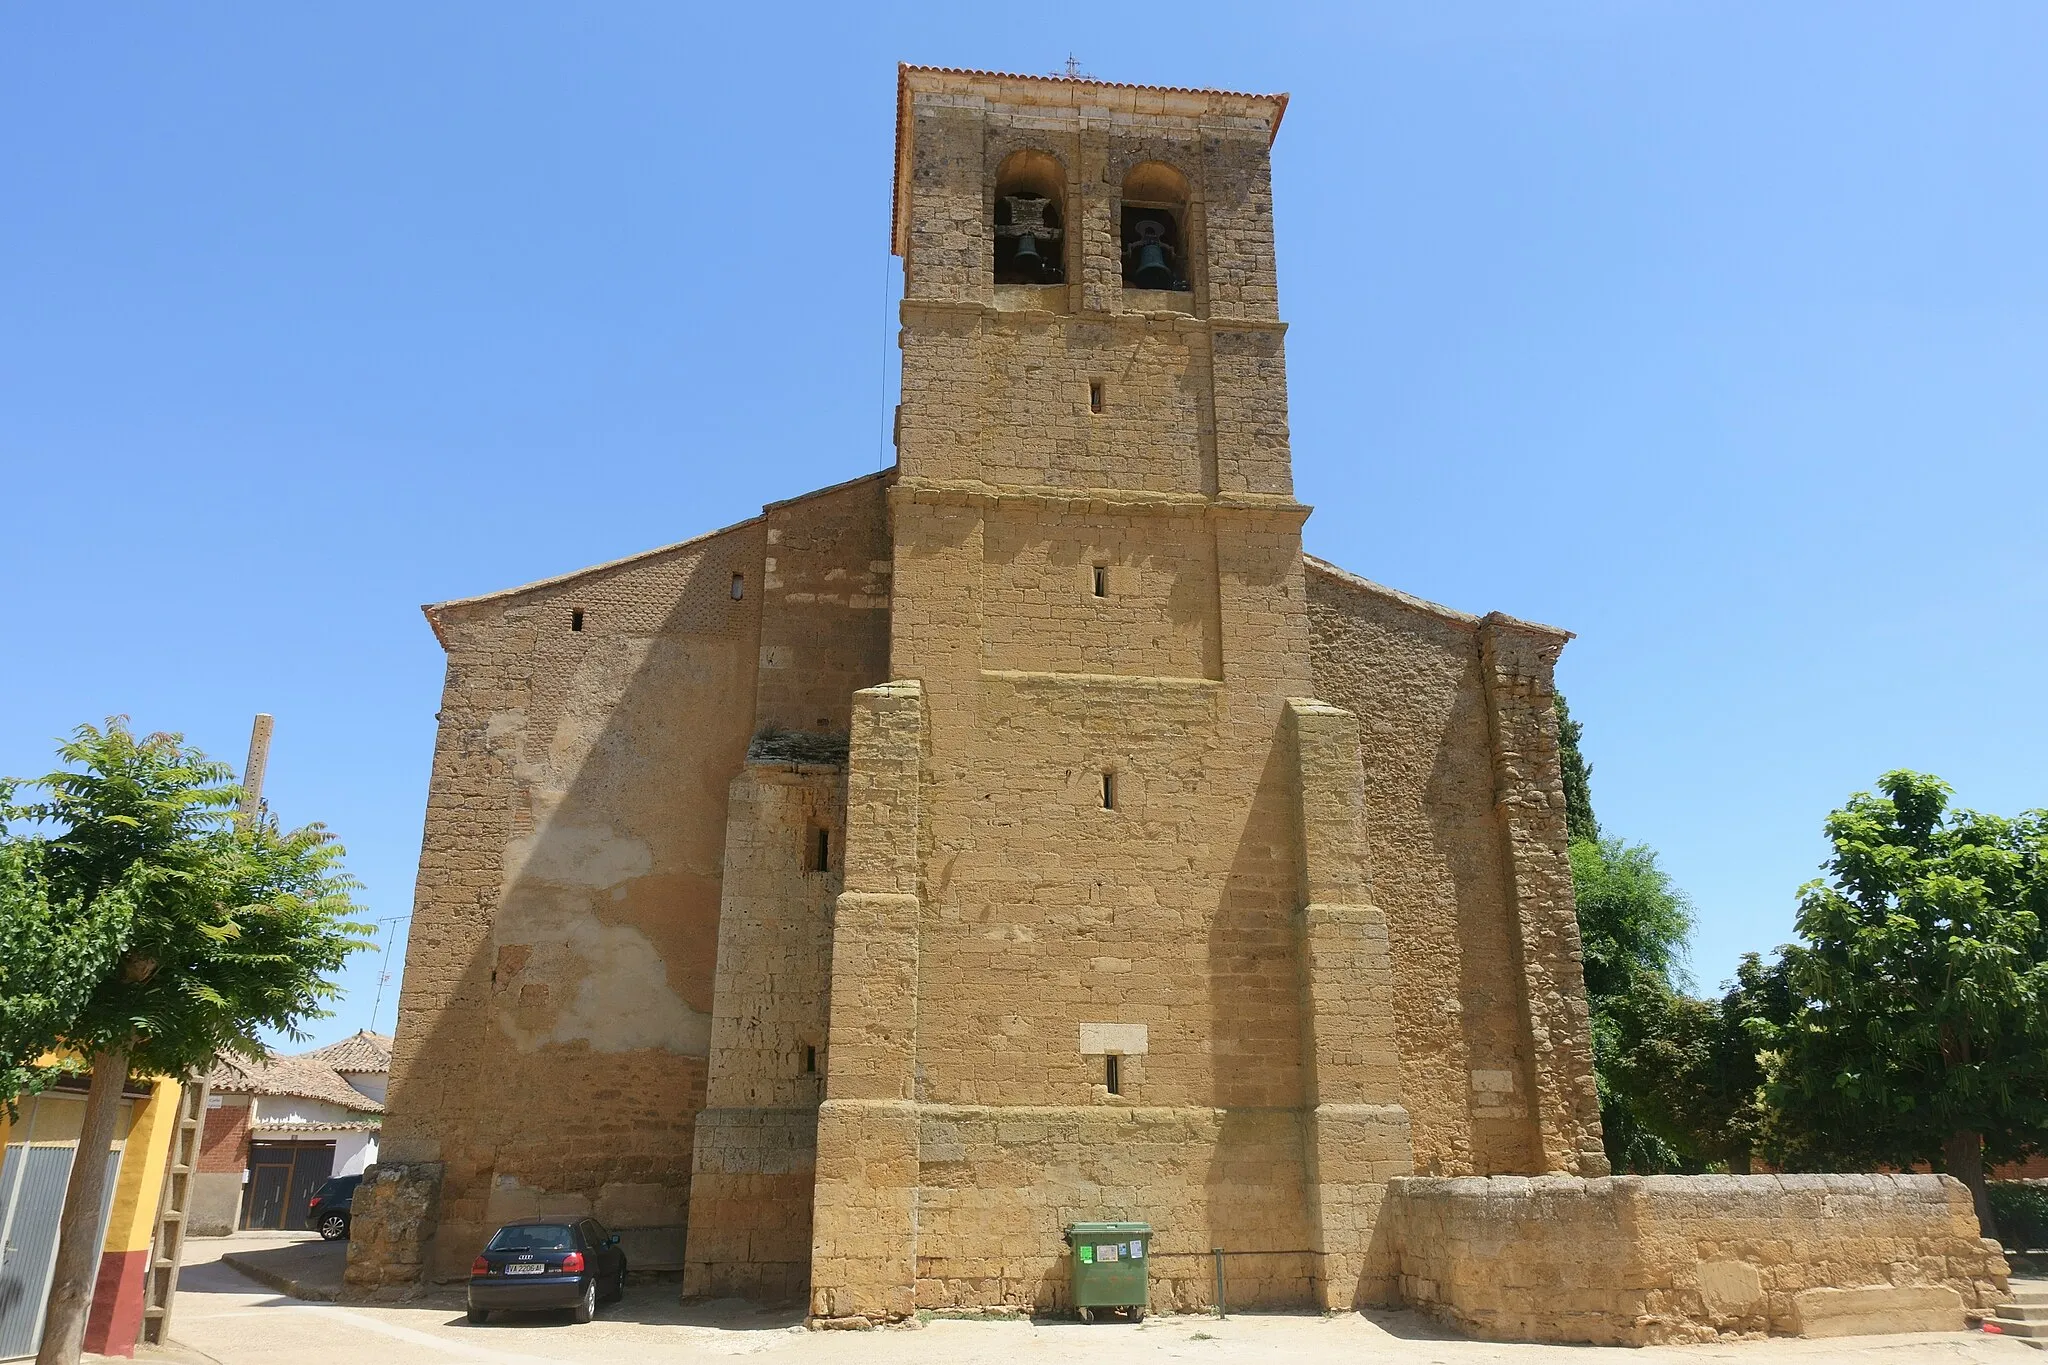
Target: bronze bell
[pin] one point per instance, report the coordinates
(1151, 258)
(1153, 272)
(1027, 225)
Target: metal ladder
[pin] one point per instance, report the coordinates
(167, 1247)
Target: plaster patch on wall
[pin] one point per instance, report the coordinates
(592, 857)
(625, 1002)
(610, 980)
(503, 726)
(1127, 1040)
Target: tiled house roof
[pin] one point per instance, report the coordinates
(301, 1077)
(362, 1052)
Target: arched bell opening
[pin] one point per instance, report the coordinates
(1030, 219)
(1155, 215)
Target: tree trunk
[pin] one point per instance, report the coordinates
(1963, 1154)
(78, 1245)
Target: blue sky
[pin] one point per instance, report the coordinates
(1716, 333)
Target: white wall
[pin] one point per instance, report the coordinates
(270, 1109)
(353, 1152)
(370, 1083)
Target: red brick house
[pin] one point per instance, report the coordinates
(276, 1130)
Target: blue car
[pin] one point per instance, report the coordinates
(568, 1264)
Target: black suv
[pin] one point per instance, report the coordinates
(542, 1263)
(328, 1209)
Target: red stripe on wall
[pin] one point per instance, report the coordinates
(116, 1317)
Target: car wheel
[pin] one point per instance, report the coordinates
(478, 1314)
(618, 1288)
(586, 1307)
(333, 1226)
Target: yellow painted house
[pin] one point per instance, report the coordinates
(40, 1144)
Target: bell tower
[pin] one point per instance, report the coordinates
(1100, 887)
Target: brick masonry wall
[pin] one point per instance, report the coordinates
(215, 1207)
(1634, 1260)
(224, 1142)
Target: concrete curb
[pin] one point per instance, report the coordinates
(284, 1284)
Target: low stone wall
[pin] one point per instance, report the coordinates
(1642, 1260)
(391, 1223)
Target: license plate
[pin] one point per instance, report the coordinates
(526, 1270)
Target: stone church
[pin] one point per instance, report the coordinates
(840, 903)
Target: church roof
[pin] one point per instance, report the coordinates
(1070, 91)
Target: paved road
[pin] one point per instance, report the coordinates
(223, 1316)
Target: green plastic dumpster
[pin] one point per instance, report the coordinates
(1110, 1261)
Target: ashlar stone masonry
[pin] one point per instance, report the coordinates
(841, 903)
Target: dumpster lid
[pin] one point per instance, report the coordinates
(1089, 1229)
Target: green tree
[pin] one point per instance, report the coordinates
(196, 934)
(52, 954)
(1578, 776)
(1691, 1074)
(1633, 923)
(1918, 1027)
(1679, 1077)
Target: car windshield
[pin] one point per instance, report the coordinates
(531, 1237)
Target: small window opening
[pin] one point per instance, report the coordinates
(576, 618)
(823, 852)
(1102, 580)
(739, 586)
(1109, 791)
(1112, 1074)
(1095, 395)
(810, 1059)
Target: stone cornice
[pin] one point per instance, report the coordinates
(1096, 501)
(987, 312)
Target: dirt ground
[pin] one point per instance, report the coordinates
(224, 1316)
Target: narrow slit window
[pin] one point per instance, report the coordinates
(1095, 395)
(1109, 791)
(1112, 1074)
(810, 1059)
(1102, 580)
(576, 618)
(739, 586)
(823, 852)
